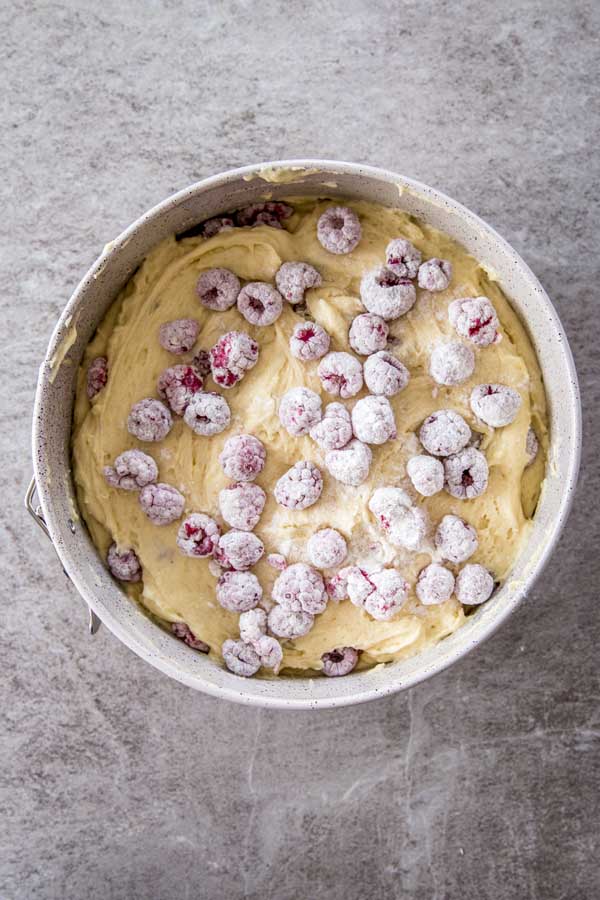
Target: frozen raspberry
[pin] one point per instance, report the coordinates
(271, 213)
(234, 354)
(243, 457)
(341, 374)
(435, 274)
(309, 341)
(162, 503)
(338, 229)
(358, 585)
(277, 561)
(239, 591)
(495, 404)
(466, 474)
(240, 658)
(445, 432)
(300, 588)
(474, 585)
(207, 413)
(253, 624)
(350, 464)
(455, 539)
(294, 278)
(385, 374)
(451, 363)
(241, 505)
(434, 585)
(201, 362)
(426, 474)
(402, 258)
(124, 564)
(475, 318)
(335, 428)
(382, 594)
(299, 410)
(259, 303)
(239, 550)
(340, 661)
(327, 548)
(133, 470)
(373, 420)
(178, 384)
(288, 623)
(300, 487)
(386, 294)
(149, 420)
(178, 336)
(185, 634)
(218, 289)
(337, 587)
(216, 225)
(97, 375)
(198, 535)
(368, 334)
(269, 652)
(532, 446)
(404, 524)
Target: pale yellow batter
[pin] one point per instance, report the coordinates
(179, 588)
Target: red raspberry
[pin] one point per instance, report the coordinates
(239, 550)
(451, 363)
(216, 225)
(368, 334)
(300, 487)
(309, 341)
(253, 624)
(243, 457)
(149, 420)
(162, 503)
(402, 258)
(386, 294)
(218, 289)
(466, 474)
(124, 564)
(327, 548)
(272, 213)
(435, 274)
(385, 374)
(97, 376)
(178, 384)
(382, 594)
(133, 470)
(259, 303)
(240, 658)
(495, 404)
(241, 505)
(277, 561)
(341, 374)
(301, 589)
(239, 591)
(474, 585)
(178, 336)
(337, 587)
(435, 585)
(207, 413)
(426, 474)
(185, 634)
(335, 428)
(201, 362)
(444, 432)
(455, 539)
(532, 446)
(198, 535)
(404, 524)
(288, 624)
(340, 661)
(294, 278)
(373, 420)
(269, 652)
(338, 229)
(351, 464)
(299, 410)
(475, 318)
(234, 354)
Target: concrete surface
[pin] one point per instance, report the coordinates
(119, 784)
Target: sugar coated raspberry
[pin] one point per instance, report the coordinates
(434, 274)
(382, 594)
(309, 341)
(368, 334)
(271, 213)
(240, 658)
(124, 564)
(385, 374)
(218, 289)
(341, 374)
(386, 294)
(373, 420)
(451, 363)
(300, 487)
(239, 550)
(260, 303)
(335, 428)
(358, 585)
(178, 336)
(300, 588)
(241, 505)
(207, 413)
(198, 535)
(185, 634)
(404, 524)
(426, 474)
(294, 278)
(132, 470)
(149, 420)
(337, 586)
(243, 457)
(474, 585)
(178, 384)
(216, 225)
(495, 404)
(201, 362)
(402, 258)
(435, 584)
(444, 432)
(475, 319)
(338, 229)
(299, 410)
(269, 652)
(162, 503)
(340, 661)
(466, 474)
(239, 591)
(350, 464)
(532, 446)
(97, 376)
(234, 354)
(455, 539)
(253, 624)
(327, 548)
(277, 561)
(289, 624)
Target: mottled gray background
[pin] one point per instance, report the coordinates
(120, 784)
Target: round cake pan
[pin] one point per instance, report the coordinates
(85, 310)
